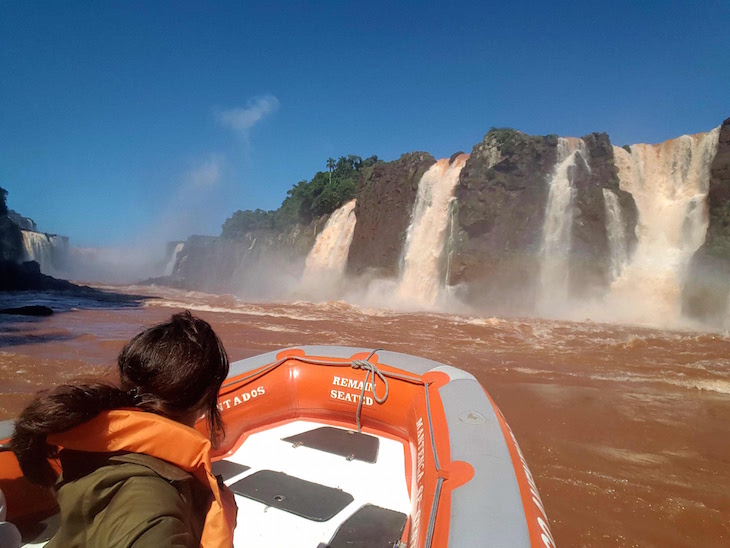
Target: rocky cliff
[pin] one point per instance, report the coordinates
(255, 263)
(386, 193)
(590, 254)
(11, 238)
(17, 274)
(707, 291)
(27, 276)
(501, 200)
(25, 223)
(503, 228)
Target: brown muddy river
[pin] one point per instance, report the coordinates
(626, 429)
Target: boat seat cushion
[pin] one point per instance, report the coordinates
(345, 443)
(294, 495)
(370, 527)
(227, 469)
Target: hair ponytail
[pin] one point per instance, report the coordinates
(174, 369)
(56, 411)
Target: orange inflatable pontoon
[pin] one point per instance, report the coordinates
(332, 446)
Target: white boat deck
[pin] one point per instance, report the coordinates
(382, 484)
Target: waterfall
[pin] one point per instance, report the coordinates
(421, 279)
(48, 250)
(558, 226)
(332, 246)
(453, 213)
(616, 233)
(170, 268)
(669, 183)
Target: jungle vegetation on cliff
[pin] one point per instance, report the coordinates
(306, 200)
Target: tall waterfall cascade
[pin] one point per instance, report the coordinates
(558, 226)
(669, 183)
(48, 250)
(170, 268)
(421, 280)
(616, 231)
(451, 236)
(330, 250)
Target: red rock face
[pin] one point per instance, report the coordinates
(385, 198)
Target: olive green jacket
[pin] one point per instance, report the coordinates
(128, 500)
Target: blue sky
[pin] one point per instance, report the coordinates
(126, 121)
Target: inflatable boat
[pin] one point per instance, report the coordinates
(330, 447)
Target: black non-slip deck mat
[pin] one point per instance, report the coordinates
(370, 527)
(345, 443)
(227, 469)
(294, 495)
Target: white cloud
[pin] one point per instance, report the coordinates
(242, 119)
(207, 174)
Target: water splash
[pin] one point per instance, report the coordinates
(669, 183)
(616, 233)
(421, 280)
(558, 227)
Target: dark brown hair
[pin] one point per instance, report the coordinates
(173, 369)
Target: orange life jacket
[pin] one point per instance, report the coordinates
(165, 439)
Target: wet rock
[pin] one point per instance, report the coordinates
(11, 239)
(501, 198)
(34, 310)
(590, 254)
(707, 291)
(386, 194)
(257, 263)
(27, 276)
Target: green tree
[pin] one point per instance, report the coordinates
(322, 195)
(330, 166)
(242, 222)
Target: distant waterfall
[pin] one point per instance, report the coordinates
(669, 183)
(170, 268)
(332, 246)
(48, 250)
(616, 233)
(420, 280)
(558, 226)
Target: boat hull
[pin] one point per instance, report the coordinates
(467, 481)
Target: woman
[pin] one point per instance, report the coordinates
(135, 472)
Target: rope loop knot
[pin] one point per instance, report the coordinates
(371, 370)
